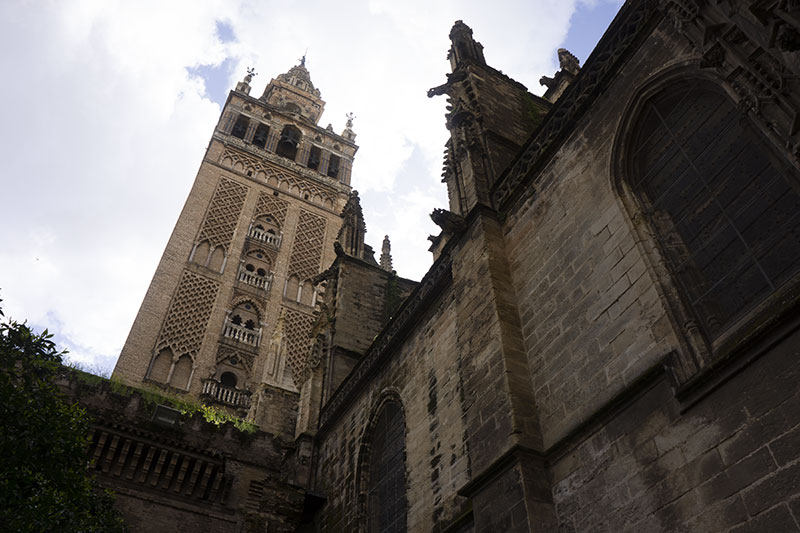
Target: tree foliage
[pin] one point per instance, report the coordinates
(44, 480)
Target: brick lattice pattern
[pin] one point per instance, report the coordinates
(305, 259)
(223, 214)
(298, 342)
(188, 315)
(272, 206)
(230, 158)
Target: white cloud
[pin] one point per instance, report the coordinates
(105, 128)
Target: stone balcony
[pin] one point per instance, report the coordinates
(250, 337)
(265, 237)
(216, 391)
(254, 280)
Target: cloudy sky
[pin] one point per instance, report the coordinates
(108, 106)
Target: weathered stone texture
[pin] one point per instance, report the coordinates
(725, 463)
(509, 113)
(191, 476)
(591, 315)
(425, 375)
(366, 297)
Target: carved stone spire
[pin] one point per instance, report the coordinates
(464, 48)
(490, 116)
(386, 254)
(351, 235)
(568, 68)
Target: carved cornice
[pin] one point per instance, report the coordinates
(747, 49)
(381, 349)
(633, 22)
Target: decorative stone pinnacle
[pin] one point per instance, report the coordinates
(386, 254)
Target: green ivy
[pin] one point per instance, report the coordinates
(151, 396)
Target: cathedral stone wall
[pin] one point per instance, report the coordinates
(728, 462)
(591, 315)
(425, 379)
(366, 299)
(629, 446)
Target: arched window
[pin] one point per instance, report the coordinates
(386, 482)
(240, 127)
(289, 141)
(228, 379)
(261, 135)
(265, 229)
(314, 158)
(243, 324)
(182, 373)
(159, 368)
(256, 269)
(291, 289)
(333, 166)
(245, 315)
(725, 210)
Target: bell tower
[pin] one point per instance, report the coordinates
(227, 316)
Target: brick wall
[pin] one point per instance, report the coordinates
(729, 462)
(190, 476)
(425, 376)
(591, 316)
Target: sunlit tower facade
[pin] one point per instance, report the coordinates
(228, 313)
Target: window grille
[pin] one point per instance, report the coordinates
(386, 495)
(725, 210)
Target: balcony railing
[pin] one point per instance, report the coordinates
(241, 334)
(261, 282)
(215, 390)
(265, 236)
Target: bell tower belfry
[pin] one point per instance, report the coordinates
(227, 315)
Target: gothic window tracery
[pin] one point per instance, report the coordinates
(386, 472)
(725, 210)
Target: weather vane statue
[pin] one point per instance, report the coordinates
(251, 71)
(350, 117)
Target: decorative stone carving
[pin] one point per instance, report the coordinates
(223, 214)
(307, 250)
(187, 318)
